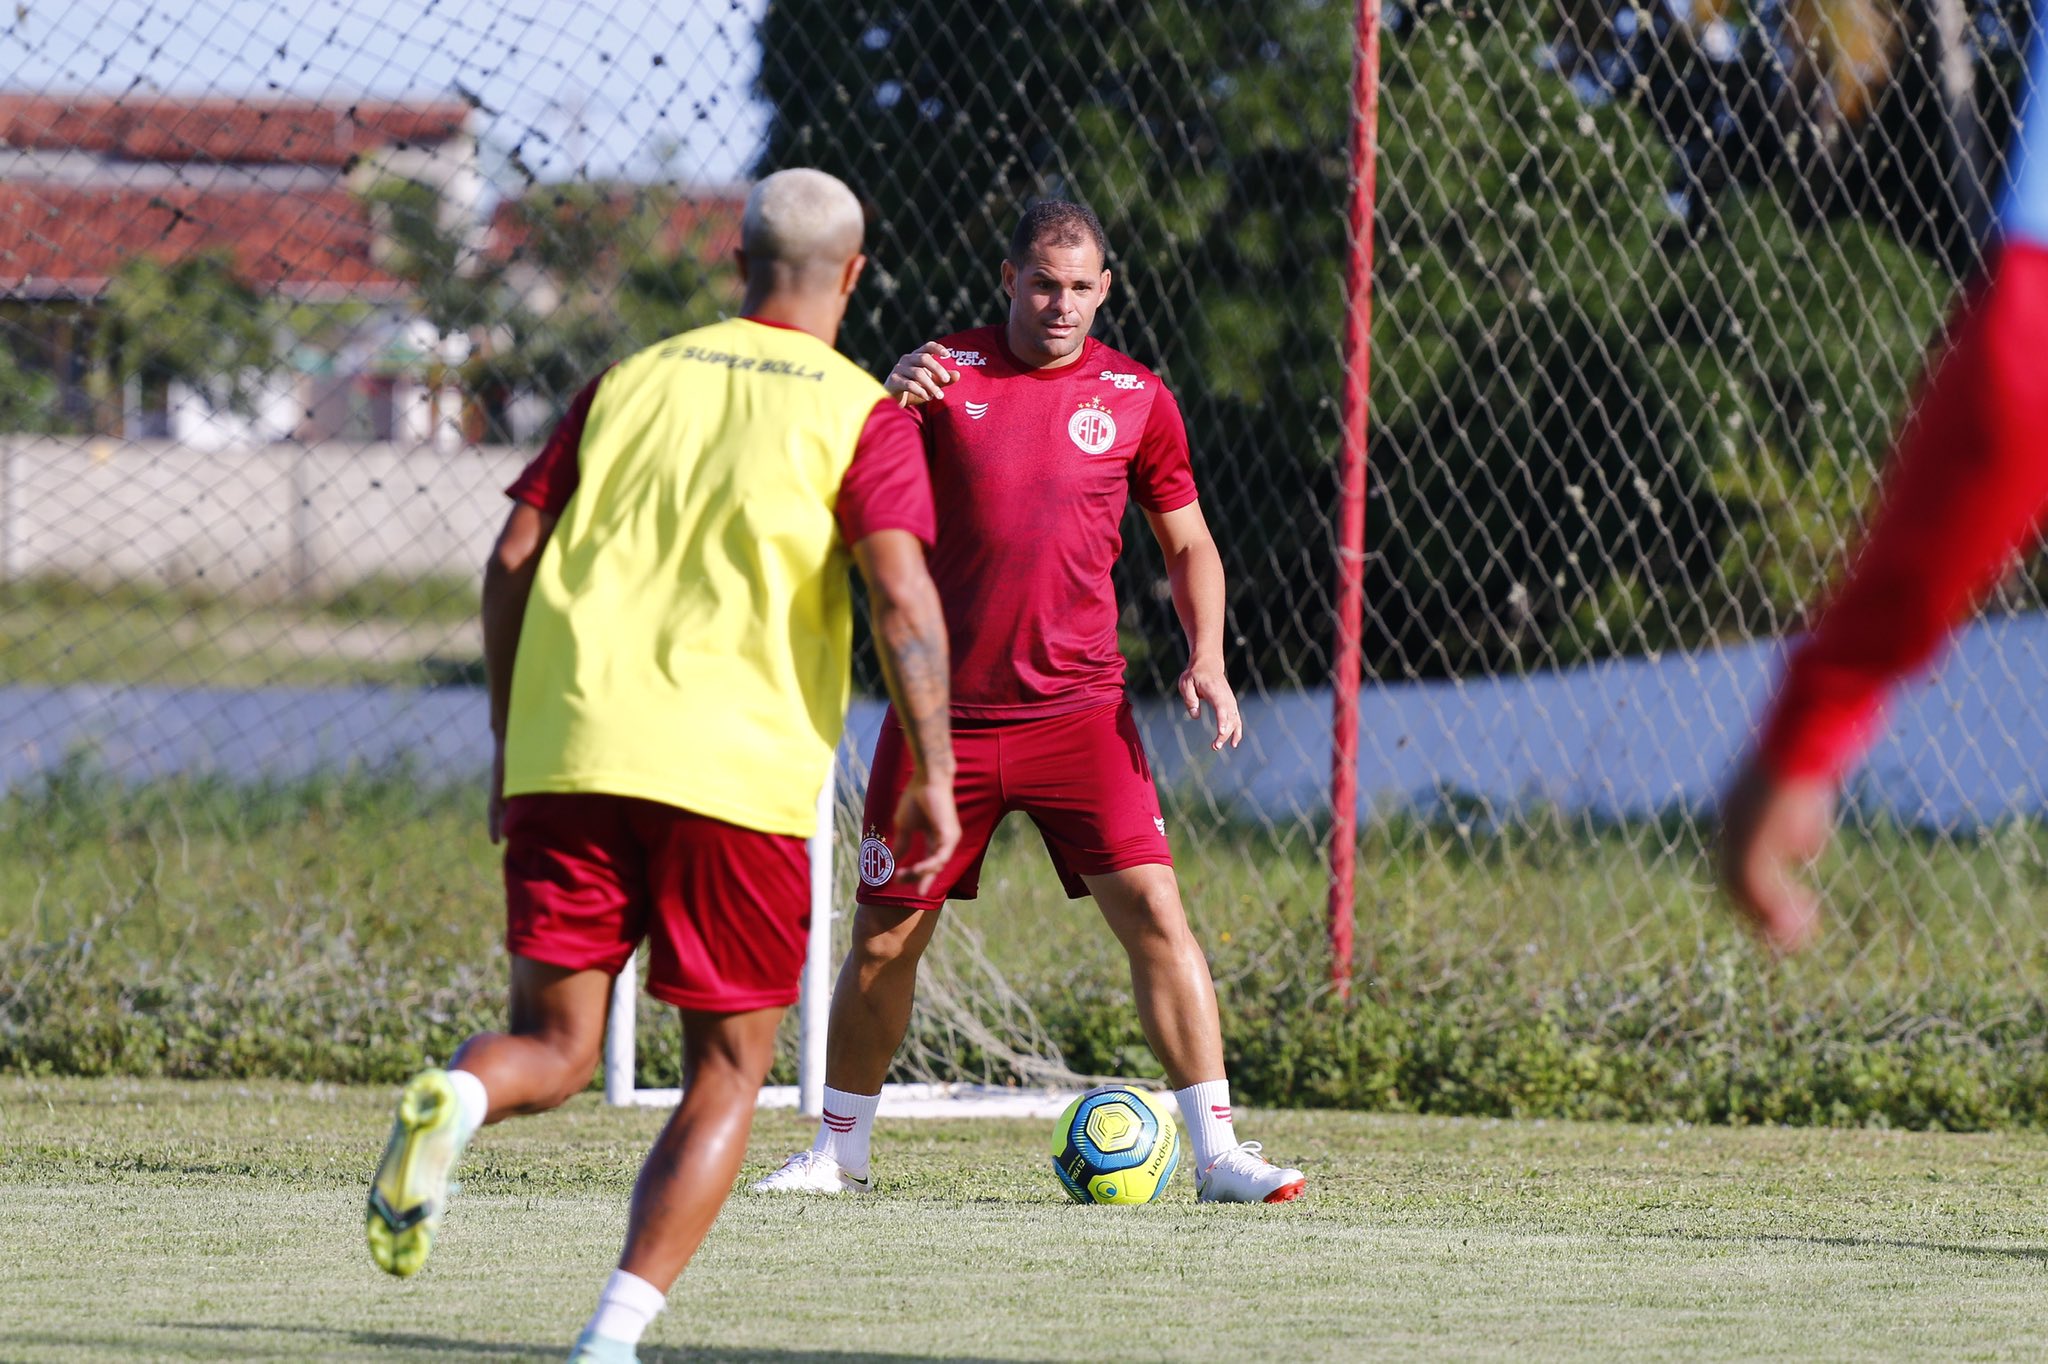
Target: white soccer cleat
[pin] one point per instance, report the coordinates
(812, 1172)
(1242, 1175)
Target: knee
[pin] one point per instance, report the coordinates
(563, 1070)
(725, 1055)
(741, 1067)
(881, 945)
(1158, 921)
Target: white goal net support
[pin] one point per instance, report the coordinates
(900, 1100)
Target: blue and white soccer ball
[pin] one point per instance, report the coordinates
(1116, 1145)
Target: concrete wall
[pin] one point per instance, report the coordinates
(268, 519)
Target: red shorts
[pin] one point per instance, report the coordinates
(1081, 777)
(725, 910)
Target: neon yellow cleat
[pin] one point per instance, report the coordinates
(410, 1191)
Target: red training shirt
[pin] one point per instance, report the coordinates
(1967, 490)
(885, 488)
(1031, 470)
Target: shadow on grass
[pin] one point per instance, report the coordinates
(442, 1347)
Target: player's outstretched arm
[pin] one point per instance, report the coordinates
(508, 579)
(1966, 491)
(910, 634)
(1195, 570)
(921, 376)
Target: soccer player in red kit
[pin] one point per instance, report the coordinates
(1967, 491)
(1037, 437)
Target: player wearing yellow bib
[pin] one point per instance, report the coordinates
(667, 632)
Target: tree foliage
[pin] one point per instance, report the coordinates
(28, 398)
(1596, 429)
(598, 274)
(194, 321)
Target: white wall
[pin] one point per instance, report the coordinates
(265, 519)
(275, 410)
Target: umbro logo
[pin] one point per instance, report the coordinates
(976, 411)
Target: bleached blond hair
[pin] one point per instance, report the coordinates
(801, 220)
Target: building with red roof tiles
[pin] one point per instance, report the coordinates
(91, 181)
(553, 235)
(65, 241)
(703, 221)
(273, 187)
(171, 130)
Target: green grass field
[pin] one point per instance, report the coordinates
(61, 632)
(216, 1221)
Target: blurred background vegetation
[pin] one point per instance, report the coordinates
(1650, 284)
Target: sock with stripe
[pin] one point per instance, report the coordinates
(844, 1131)
(1205, 1114)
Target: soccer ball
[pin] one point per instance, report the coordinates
(1116, 1145)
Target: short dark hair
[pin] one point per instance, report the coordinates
(1058, 222)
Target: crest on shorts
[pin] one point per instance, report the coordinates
(877, 863)
(1092, 427)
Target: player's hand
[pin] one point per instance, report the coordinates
(495, 810)
(921, 376)
(926, 808)
(1203, 680)
(1771, 831)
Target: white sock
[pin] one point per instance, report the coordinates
(626, 1308)
(847, 1127)
(471, 1103)
(1205, 1113)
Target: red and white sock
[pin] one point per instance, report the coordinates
(846, 1128)
(1205, 1113)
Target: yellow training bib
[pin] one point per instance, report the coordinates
(690, 629)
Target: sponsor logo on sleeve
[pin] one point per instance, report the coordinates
(1092, 427)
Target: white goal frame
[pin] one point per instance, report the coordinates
(814, 1004)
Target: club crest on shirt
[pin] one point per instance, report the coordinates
(1092, 427)
(877, 863)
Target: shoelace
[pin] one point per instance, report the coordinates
(1244, 1148)
(804, 1160)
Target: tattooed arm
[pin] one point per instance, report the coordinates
(910, 632)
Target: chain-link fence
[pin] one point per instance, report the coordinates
(289, 296)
